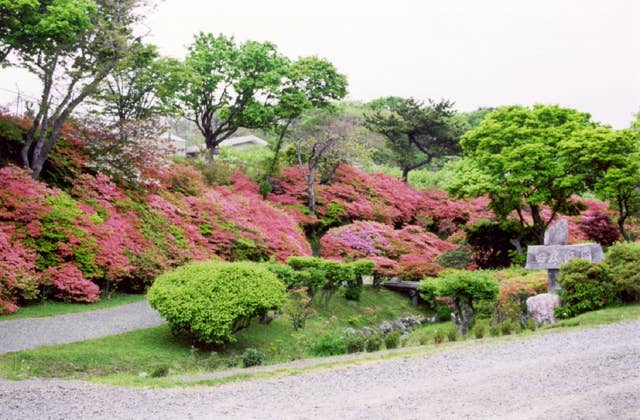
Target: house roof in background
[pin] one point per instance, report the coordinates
(235, 141)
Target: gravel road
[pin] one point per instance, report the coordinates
(592, 373)
(26, 333)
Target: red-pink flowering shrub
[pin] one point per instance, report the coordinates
(69, 284)
(417, 267)
(414, 249)
(18, 278)
(385, 267)
(515, 286)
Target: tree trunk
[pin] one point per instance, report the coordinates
(538, 224)
(405, 175)
(621, 219)
(310, 191)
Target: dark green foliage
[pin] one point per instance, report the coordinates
(493, 242)
(265, 189)
(465, 288)
(443, 313)
(329, 344)
(374, 342)
(494, 330)
(452, 333)
(507, 327)
(459, 259)
(252, 357)
(585, 287)
(354, 285)
(392, 340)
(623, 260)
(480, 329)
(160, 371)
(355, 342)
(210, 301)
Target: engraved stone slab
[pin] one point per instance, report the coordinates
(540, 257)
(557, 234)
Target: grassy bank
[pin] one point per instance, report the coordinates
(156, 350)
(52, 308)
(134, 358)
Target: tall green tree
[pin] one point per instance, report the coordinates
(524, 159)
(138, 86)
(309, 82)
(611, 160)
(416, 132)
(226, 86)
(72, 46)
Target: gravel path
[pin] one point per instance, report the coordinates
(28, 333)
(593, 373)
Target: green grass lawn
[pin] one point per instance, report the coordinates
(155, 349)
(122, 359)
(51, 308)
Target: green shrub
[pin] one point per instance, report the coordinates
(443, 313)
(159, 371)
(459, 258)
(623, 260)
(297, 307)
(466, 288)
(285, 273)
(428, 291)
(217, 172)
(585, 287)
(452, 333)
(532, 324)
(392, 340)
(438, 336)
(265, 189)
(252, 357)
(329, 344)
(354, 285)
(209, 301)
(507, 327)
(480, 329)
(494, 330)
(355, 342)
(337, 274)
(374, 342)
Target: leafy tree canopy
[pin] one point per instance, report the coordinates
(416, 132)
(523, 158)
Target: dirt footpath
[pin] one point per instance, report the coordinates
(592, 373)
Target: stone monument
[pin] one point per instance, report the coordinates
(556, 252)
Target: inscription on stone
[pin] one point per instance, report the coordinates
(546, 257)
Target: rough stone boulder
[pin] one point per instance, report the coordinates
(541, 307)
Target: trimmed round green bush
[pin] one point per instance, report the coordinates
(586, 287)
(392, 340)
(623, 260)
(252, 357)
(209, 301)
(374, 342)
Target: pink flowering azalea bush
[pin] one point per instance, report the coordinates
(412, 248)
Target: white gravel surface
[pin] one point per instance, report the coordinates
(26, 333)
(592, 373)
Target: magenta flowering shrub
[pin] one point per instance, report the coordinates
(414, 249)
(19, 280)
(68, 284)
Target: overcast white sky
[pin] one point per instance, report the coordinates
(577, 53)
